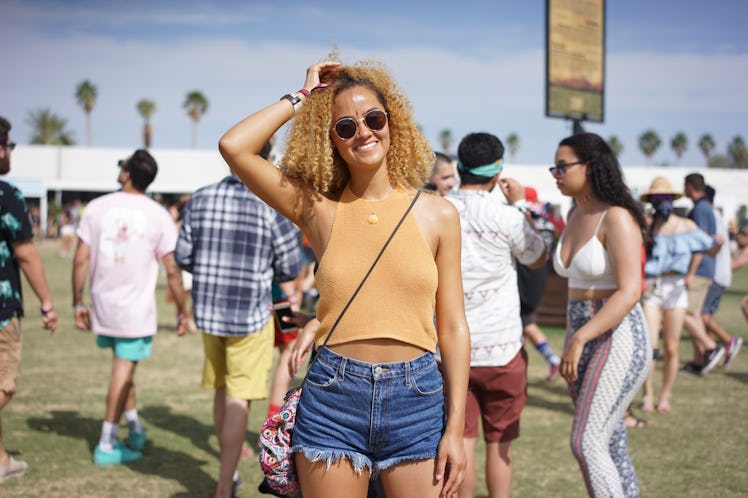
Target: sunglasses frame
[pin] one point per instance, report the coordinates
(559, 170)
(334, 127)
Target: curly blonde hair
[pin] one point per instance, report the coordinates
(310, 156)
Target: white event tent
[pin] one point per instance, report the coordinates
(38, 170)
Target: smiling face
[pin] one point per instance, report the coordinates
(574, 180)
(367, 148)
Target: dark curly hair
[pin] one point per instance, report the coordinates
(605, 173)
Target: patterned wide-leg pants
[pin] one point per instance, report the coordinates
(612, 369)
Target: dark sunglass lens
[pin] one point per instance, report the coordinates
(376, 120)
(345, 128)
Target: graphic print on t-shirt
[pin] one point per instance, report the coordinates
(121, 227)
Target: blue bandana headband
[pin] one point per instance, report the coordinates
(486, 171)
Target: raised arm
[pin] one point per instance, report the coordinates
(241, 145)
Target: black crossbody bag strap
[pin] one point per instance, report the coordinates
(376, 260)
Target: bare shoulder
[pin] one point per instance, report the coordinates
(436, 208)
(620, 216)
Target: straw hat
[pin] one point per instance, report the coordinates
(660, 185)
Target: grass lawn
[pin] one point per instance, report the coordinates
(53, 423)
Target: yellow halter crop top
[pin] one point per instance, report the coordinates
(397, 300)
(590, 268)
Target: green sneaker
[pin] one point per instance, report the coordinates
(136, 440)
(120, 454)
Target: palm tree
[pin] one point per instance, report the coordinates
(446, 140)
(512, 142)
(146, 108)
(738, 152)
(679, 144)
(85, 94)
(649, 142)
(615, 145)
(196, 104)
(48, 128)
(707, 145)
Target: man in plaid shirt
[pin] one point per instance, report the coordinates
(234, 244)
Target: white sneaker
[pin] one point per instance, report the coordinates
(14, 468)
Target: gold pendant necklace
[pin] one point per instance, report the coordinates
(372, 219)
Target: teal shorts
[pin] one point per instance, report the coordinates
(135, 349)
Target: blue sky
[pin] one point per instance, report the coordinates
(466, 66)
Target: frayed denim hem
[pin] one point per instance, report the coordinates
(357, 460)
(391, 462)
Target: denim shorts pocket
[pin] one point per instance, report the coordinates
(322, 375)
(427, 381)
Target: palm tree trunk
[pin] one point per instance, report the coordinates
(194, 134)
(88, 129)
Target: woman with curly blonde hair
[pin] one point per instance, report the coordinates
(373, 401)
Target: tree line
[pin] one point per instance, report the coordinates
(47, 128)
(649, 142)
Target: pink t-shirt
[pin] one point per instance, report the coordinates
(128, 235)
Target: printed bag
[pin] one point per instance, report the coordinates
(276, 460)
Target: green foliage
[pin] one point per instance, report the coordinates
(738, 152)
(47, 128)
(85, 95)
(679, 144)
(649, 142)
(615, 145)
(512, 143)
(707, 145)
(195, 104)
(446, 140)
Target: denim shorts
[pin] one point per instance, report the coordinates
(374, 415)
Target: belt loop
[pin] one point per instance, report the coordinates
(408, 379)
(341, 368)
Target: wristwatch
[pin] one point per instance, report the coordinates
(294, 99)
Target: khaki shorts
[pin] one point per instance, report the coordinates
(697, 293)
(10, 355)
(240, 364)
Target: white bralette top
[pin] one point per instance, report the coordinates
(590, 268)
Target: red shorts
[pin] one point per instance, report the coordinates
(497, 395)
(282, 338)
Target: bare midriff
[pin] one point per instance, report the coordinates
(378, 350)
(584, 294)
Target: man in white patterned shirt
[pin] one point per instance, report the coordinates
(493, 235)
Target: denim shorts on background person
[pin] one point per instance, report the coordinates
(712, 299)
(373, 415)
(135, 349)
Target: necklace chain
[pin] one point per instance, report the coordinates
(372, 219)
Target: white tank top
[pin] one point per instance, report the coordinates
(590, 268)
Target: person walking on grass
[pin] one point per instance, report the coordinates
(122, 237)
(234, 244)
(17, 252)
(493, 235)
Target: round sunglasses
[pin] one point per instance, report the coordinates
(345, 128)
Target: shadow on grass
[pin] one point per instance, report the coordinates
(157, 461)
(554, 389)
(739, 376)
(68, 423)
(181, 425)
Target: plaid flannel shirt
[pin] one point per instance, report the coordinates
(234, 244)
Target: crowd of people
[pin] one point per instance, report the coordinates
(446, 337)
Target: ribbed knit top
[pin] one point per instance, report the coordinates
(397, 300)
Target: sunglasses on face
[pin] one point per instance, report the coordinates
(661, 197)
(345, 128)
(8, 145)
(559, 169)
